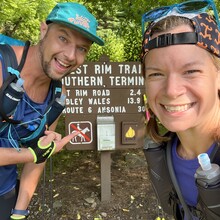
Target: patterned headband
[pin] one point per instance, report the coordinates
(206, 36)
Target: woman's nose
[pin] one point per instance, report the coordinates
(174, 86)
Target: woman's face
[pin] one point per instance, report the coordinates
(182, 86)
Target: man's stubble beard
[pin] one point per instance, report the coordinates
(46, 66)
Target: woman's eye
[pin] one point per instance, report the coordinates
(191, 71)
(153, 75)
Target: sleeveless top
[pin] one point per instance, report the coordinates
(30, 113)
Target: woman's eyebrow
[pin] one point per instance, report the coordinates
(151, 68)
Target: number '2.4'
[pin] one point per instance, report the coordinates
(134, 93)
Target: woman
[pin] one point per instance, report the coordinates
(181, 66)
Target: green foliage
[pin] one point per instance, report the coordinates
(132, 38)
(21, 18)
(119, 23)
(113, 48)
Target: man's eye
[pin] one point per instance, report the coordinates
(83, 49)
(62, 38)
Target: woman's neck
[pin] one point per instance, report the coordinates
(192, 144)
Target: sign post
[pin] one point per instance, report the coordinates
(105, 104)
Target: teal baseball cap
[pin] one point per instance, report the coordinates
(77, 17)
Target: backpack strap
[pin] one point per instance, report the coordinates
(51, 113)
(215, 155)
(10, 72)
(56, 93)
(175, 182)
(57, 90)
(8, 59)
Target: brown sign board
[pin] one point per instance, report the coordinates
(102, 89)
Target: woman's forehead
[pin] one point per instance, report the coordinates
(177, 55)
(178, 29)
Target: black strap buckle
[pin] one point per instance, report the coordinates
(161, 41)
(172, 39)
(164, 40)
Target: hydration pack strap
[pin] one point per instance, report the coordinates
(24, 56)
(187, 213)
(48, 114)
(57, 90)
(215, 155)
(9, 61)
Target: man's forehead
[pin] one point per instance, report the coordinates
(68, 31)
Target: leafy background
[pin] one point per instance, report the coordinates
(119, 23)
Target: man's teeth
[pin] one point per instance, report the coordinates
(179, 108)
(63, 64)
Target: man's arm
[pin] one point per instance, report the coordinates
(29, 180)
(31, 172)
(10, 156)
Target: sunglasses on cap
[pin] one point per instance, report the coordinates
(194, 7)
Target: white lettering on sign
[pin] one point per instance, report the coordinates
(112, 109)
(89, 110)
(68, 92)
(126, 81)
(75, 101)
(103, 69)
(141, 108)
(73, 110)
(130, 69)
(81, 69)
(99, 101)
(103, 92)
(105, 87)
(83, 81)
(80, 92)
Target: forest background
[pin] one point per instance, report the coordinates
(119, 23)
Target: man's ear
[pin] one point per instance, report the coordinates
(43, 30)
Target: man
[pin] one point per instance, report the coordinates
(65, 40)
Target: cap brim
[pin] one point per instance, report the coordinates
(85, 33)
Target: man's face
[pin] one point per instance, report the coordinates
(62, 50)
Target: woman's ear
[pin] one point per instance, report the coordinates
(219, 80)
(43, 30)
(218, 83)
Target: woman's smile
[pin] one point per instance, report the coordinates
(178, 108)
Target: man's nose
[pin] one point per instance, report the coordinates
(70, 52)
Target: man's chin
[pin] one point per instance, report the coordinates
(56, 76)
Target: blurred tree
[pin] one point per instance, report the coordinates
(21, 18)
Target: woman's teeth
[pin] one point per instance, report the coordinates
(179, 108)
